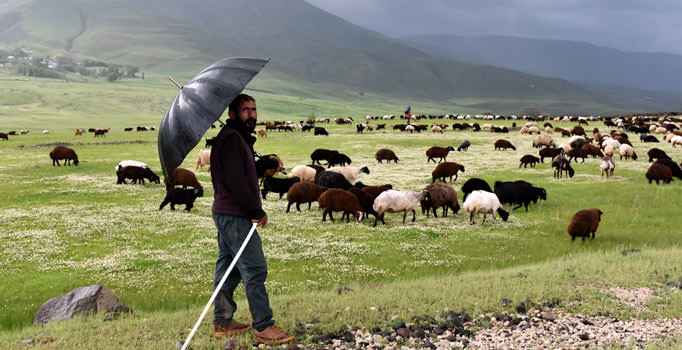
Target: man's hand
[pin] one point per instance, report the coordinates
(262, 222)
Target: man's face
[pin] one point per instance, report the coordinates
(247, 114)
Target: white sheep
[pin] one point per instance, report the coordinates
(661, 130)
(676, 140)
(393, 201)
(549, 130)
(611, 142)
(437, 128)
(627, 151)
(566, 147)
(46, 131)
(204, 159)
(608, 150)
(125, 163)
(303, 172)
(607, 165)
(349, 172)
(484, 202)
(410, 128)
(534, 129)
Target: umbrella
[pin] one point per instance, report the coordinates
(199, 104)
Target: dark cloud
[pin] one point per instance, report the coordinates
(630, 25)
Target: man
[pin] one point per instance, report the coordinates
(236, 206)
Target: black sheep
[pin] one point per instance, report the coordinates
(277, 185)
(656, 153)
(136, 174)
(331, 179)
(464, 146)
(648, 138)
(321, 131)
(474, 184)
(179, 196)
(321, 154)
(519, 192)
(674, 167)
(366, 201)
(549, 153)
(338, 159)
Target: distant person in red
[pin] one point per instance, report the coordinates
(408, 114)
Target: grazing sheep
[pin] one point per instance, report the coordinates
(350, 173)
(46, 131)
(543, 141)
(565, 147)
(386, 154)
(438, 152)
(524, 130)
(446, 169)
(607, 165)
(578, 130)
(181, 196)
(534, 129)
(268, 165)
(136, 174)
(549, 153)
(4, 136)
(659, 172)
(593, 151)
(338, 159)
(529, 159)
(79, 132)
(304, 172)
(65, 153)
(578, 142)
(623, 140)
(23, 132)
(474, 184)
(320, 131)
(464, 146)
(656, 153)
(677, 172)
(484, 202)
(648, 138)
(366, 201)
(321, 154)
(519, 192)
(440, 195)
(332, 180)
(576, 153)
(627, 151)
(676, 140)
(375, 191)
(182, 177)
(335, 199)
(277, 185)
(561, 164)
(101, 132)
(548, 129)
(393, 201)
(437, 128)
(303, 192)
(611, 142)
(503, 145)
(608, 150)
(125, 163)
(583, 223)
(203, 159)
(262, 133)
(669, 137)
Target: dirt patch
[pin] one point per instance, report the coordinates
(55, 144)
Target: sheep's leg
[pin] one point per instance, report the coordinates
(414, 214)
(264, 193)
(163, 204)
(526, 205)
(281, 194)
(289, 206)
(324, 215)
(331, 216)
(434, 213)
(517, 207)
(484, 217)
(593, 234)
(347, 216)
(494, 217)
(404, 215)
(471, 218)
(309, 203)
(572, 239)
(172, 206)
(445, 210)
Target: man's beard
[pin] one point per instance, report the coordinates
(250, 124)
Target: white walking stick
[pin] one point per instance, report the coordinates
(220, 285)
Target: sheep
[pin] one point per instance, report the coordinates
(677, 172)
(386, 154)
(548, 129)
(534, 129)
(4, 136)
(583, 223)
(320, 131)
(277, 185)
(436, 128)
(262, 133)
(438, 152)
(46, 131)
(24, 132)
(303, 192)
(474, 184)
(304, 172)
(577, 142)
(529, 159)
(446, 169)
(79, 132)
(623, 140)
(576, 153)
(484, 202)
(366, 201)
(519, 192)
(125, 163)
(136, 174)
(660, 130)
(659, 172)
(627, 151)
(335, 199)
(648, 138)
(676, 140)
(440, 195)
(560, 164)
(393, 201)
(375, 191)
(203, 159)
(611, 142)
(607, 165)
(565, 147)
(524, 130)
(101, 132)
(181, 196)
(332, 180)
(656, 153)
(669, 137)
(350, 173)
(578, 130)
(592, 150)
(464, 145)
(503, 145)
(337, 159)
(543, 140)
(549, 153)
(411, 128)
(268, 165)
(321, 154)
(65, 153)
(608, 150)
(182, 177)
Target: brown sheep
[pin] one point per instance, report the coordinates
(576, 153)
(578, 130)
(79, 132)
(317, 168)
(182, 177)
(549, 153)
(65, 153)
(446, 169)
(304, 192)
(204, 159)
(656, 153)
(659, 172)
(438, 152)
(529, 159)
(136, 174)
(375, 191)
(262, 133)
(584, 223)
(4, 136)
(622, 140)
(592, 150)
(386, 154)
(336, 199)
(440, 195)
(101, 132)
(503, 145)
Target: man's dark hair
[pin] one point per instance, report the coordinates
(234, 105)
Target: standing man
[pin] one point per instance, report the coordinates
(236, 207)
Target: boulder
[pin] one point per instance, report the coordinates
(83, 300)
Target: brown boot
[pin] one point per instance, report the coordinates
(272, 335)
(232, 328)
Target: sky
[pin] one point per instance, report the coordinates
(629, 25)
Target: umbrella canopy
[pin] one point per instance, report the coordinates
(199, 104)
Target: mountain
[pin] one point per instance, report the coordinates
(571, 60)
(304, 43)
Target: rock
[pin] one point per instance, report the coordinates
(342, 289)
(323, 337)
(584, 336)
(400, 325)
(419, 333)
(293, 347)
(403, 332)
(231, 345)
(506, 301)
(548, 316)
(83, 300)
(428, 345)
(315, 320)
(180, 343)
(521, 308)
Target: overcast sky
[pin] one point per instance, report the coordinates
(631, 25)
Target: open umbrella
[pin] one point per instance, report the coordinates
(199, 104)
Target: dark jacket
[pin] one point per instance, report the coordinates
(233, 172)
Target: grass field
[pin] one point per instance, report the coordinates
(65, 227)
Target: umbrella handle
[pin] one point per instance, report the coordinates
(220, 285)
(175, 82)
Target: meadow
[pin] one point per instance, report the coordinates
(65, 227)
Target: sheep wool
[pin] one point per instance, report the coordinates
(484, 202)
(584, 222)
(303, 172)
(349, 172)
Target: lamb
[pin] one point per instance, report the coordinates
(337, 159)
(519, 192)
(350, 173)
(304, 172)
(332, 180)
(446, 169)
(659, 172)
(181, 196)
(677, 172)
(320, 131)
(386, 154)
(277, 185)
(576, 153)
(607, 165)
(438, 152)
(484, 202)
(474, 184)
(136, 174)
(440, 195)
(529, 159)
(542, 140)
(393, 201)
(65, 153)
(303, 192)
(549, 153)
(204, 159)
(335, 199)
(182, 177)
(503, 145)
(583, 223)
(464, 145)
(656, 153)
(627, 151)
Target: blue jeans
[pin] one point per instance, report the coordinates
(251, 268)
